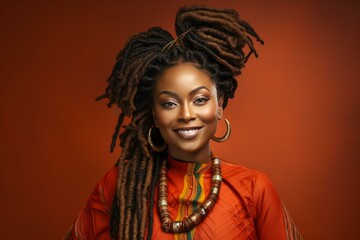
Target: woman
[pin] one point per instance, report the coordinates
(167, 184)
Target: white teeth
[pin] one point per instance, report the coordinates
(188, 133)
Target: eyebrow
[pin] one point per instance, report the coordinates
(191, 92)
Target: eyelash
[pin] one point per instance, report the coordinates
(203, 100)
(168, 104)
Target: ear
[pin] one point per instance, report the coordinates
(221, 109)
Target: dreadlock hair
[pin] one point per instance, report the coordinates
(212, 40)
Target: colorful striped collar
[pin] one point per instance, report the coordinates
(188, 168)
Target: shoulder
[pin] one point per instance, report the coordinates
(106, 187)
(241, 171)
(255, 184)
(238, 174)
(110, 178)
(103, 192)
(93, 220)
(252, 185)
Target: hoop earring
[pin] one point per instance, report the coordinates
(152, 145)
(227, 134)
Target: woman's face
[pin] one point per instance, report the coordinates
(186, 110)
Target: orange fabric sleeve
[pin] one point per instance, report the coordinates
(269, 214)
(273, 221)
(93, 220)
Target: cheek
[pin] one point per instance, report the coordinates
(210, 113)
(163, 118)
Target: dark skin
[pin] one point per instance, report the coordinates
(186, 110)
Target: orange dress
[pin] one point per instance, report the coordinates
(248, 206)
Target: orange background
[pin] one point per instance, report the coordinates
(296, 113)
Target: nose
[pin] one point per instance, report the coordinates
(186, 113)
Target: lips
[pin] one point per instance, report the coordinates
(188, 133)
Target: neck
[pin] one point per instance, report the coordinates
(194, 157)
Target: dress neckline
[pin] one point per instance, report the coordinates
(189, 168)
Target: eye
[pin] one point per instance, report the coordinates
(168, 105)
(201, 100)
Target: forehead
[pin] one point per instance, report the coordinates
(183, 77)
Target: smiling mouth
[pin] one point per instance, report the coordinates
(188, 133)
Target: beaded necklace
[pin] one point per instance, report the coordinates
(188, 223)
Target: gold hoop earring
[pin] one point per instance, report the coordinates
(152, 145)
(227, 134)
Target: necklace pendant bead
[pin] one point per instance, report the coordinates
(176, 226)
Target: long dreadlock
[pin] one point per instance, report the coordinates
(213, 40)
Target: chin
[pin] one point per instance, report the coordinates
(192, 147)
